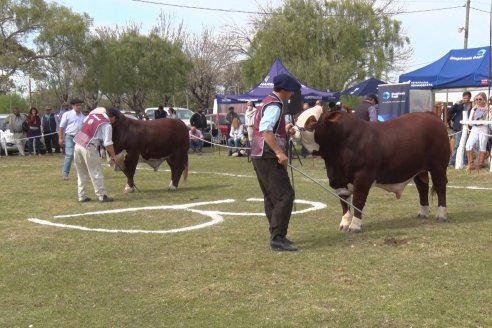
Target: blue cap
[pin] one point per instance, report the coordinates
(112, 112)
(286, 82)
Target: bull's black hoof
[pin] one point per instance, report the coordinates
(280, 243)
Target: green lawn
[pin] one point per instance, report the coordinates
(400, 272)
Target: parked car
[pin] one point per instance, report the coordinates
(220, 121)
(130, 114)
(7, 139)
(184, 114)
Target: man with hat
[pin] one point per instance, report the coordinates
(268, 154)
(49, 130)
(70, 125)
(367, 111)
(95, 131)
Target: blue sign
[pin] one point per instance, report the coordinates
(394, 100)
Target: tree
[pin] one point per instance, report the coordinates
(126, 66)
(11, 100)
(212, 58)
(328, 43)
(32, 31)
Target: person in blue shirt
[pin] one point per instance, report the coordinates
(268, 155)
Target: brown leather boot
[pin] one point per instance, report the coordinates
(481, 159)
(469, 156)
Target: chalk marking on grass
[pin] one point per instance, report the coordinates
(216, 216)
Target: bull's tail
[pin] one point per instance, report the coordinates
(433, 193)
(185, 172)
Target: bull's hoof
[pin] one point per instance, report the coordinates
(354, 229)
(442, 213)
(355, 226)
(424, 212)
(172, 188)
(345, 222)
(128, 189)
(343, 228)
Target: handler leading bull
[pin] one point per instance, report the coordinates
(96, 130)
(270, 161)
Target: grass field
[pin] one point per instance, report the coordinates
(400, 272)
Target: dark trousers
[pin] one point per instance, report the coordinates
(51, 141)
(277, 193)
(34, 144)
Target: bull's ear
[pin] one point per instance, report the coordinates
(310, 123)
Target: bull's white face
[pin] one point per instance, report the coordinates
(120, 161)
(307, 137)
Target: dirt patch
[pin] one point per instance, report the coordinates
(395, 242)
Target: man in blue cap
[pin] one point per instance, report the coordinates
(268, 154)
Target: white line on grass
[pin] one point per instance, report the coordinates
(216, 216)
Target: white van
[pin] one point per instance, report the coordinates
(184, 114)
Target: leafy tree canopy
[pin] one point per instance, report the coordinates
(34, 30)
(327, 44)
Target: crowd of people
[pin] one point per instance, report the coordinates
(478, 135)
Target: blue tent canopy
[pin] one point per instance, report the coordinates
(266, 86)
(367, 87)
(458, 68)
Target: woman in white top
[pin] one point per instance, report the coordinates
(234, 141)
(250, 117)
(478, 133)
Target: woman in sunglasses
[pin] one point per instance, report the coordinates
(480, 111)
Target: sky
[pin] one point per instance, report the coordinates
(432, 26)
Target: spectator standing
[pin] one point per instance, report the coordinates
(15, 122)
(196, 142)
(160, 113)
(198, 120)
(34, 132)
(48, 128)
(234, 140)
(96, 131)
(70, 125)
(172, 113)
(367, 111)
(65, 108)
(249, 116)
(140, 116)
(229, 117)
(478, 133)
(270, 161)
(455, 115)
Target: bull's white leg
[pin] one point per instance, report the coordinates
(128, 189)
(355, 225)
(424, 212)
(442, 213)
(172, 187)
(346, 218)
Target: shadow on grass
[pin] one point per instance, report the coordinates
(400, 225)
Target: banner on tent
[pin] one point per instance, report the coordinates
(393, 100)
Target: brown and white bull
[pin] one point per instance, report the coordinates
(152, 142)
(359, 154)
